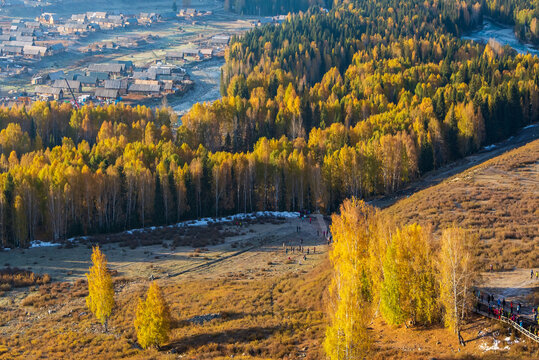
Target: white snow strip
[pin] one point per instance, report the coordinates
(38, 243)
(6, 249)
(77, 238)
(495, 346)
(193, 223)
(490, 147)
(207, 221)
(530, 126)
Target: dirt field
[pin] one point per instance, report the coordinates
(256, 252)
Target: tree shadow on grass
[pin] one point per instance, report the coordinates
(231, 336)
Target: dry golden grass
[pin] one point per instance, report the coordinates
(276, 318)
(15, 277)
(497, 200)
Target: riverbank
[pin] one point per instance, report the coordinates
(503, 34)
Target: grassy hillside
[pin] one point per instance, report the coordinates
(498, 200)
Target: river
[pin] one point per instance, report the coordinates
(207, 76)
(501, 33)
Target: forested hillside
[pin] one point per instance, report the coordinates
(275, 7)
(354, 102)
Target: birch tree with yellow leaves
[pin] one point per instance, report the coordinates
(351, 310)
(456, 277)
(100, 299)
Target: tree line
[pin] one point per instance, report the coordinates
(136, 174)
(401, 273)
(275, 7)
(357, 101)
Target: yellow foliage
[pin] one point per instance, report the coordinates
(347, 336)
(456, 276)
(100, 298)
(152, 322)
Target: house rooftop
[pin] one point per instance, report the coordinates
(43, 89)
(106, 93)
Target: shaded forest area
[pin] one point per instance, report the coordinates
(354, 102)
(275, 7)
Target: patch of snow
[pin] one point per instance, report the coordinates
(509, 341)
(6, 249)
(494, 347)
(207, 221)
(530, 126)
(77, 238)
(489, 147)
(38, 243)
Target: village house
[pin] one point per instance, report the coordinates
(87, 81)
(174, 55)
(147, 82)
(144, 75)
(80, 18)
(46, 18)
(222, 40)
(47, 92)
(56, 48)
(128, 65)
(193, 53)
(101, 76)
(148, 17)
(119, 85)
(73, 28)
(94, 15)
(144, 89)
(34, 52)
(106, 94)
(57, 75)
(207, 53)
(19, 43)
(72, 75)
(74, 85)
(37, 80)
(168, 87)
(111, 69)
(12, 50)
(24, 38)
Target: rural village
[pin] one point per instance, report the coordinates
(26, 43)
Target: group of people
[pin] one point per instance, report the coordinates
(300, 248)
(497, 308)
(536, 274)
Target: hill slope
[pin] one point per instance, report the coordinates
(498, 200)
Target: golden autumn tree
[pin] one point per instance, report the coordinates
(100, 299)
(408, 289)
(152, 322)
(456, 276)
(351, 310)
